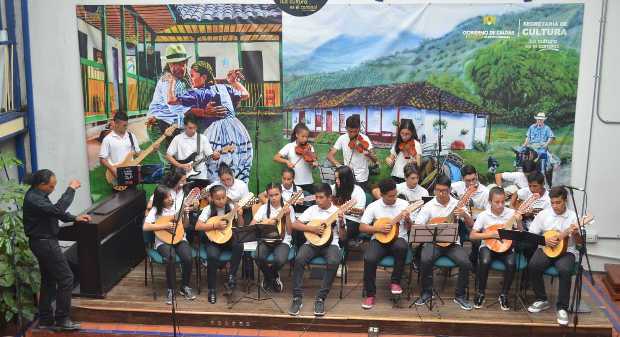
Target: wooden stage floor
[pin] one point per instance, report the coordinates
(131, 302)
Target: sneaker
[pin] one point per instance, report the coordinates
(232, 282)
(266, 285)
(562, 317)
(368, 302)
(277, 285)
(319, 307)
(463, 303)
(169, 296)
(479, 301)
(212, 296)
(67, 325)
(296, 306)
(395, 289)
(503, 302)
(538, 306)
(424, 298)
(45, 324)
(339, 271)
(187, 293)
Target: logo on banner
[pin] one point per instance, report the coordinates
(489, 20)
(300, 7)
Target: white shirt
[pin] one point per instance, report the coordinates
(378, 209)
(360, 201)
(488, 218)
(206, 212)
(517, 178)
(288, 193)
(401, 160)
(548, 220)
(358, 162)
(261, 214)
(303, 169)
(314, 212)
(433, 209)
(182, 146)
(151, 217)
(480, 198)
(236, 192)
(115, 148)
(544, 202)
(412, 194)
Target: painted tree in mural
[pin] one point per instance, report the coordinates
(516, 81)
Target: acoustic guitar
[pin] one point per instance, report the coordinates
(196, 163)
(280, 215)
(131, 161)
(221, 236)
(562, 246)
(450, 218)
(381, 223)
(320, 240)
(166, 236)
(499, 245)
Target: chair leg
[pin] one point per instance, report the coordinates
(342, 280)
(153, 281)
(445, 278)
(146, 282)
(197, 261)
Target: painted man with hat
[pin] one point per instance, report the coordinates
(161, 114)
(539, 135)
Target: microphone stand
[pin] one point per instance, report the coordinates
(256, 142)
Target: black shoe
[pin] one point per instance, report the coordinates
(424, 298)
(212, 296)
(463, 303)
(277, 284)
(479, 301)
(266, 286)
(45, 324)
(503, 302)
(232, 282)
(169, 295)
(296, 306)
(319, 307)
(67, 325)
(187, 293)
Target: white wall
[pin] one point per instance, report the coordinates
(57, 102)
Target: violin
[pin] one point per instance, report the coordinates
(305, 151)
(359, 144)
(408, 147)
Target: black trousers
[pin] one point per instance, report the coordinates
(184, 251)
(309, 188)
(56, 280)
(280, 257)
(364, 185)
(214, 251)
(398, 180)
(484, 263)
(564, 264)
(353, 230)
(307, 252)
(374, 253)
(431, 252)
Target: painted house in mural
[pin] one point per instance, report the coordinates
(228, 36)
(380, 107)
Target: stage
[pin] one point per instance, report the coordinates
(132, 303)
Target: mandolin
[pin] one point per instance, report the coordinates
(499, 245)
(279, 223)
(167, 236)
(320, 240)
(390, 236)
(221, 236)
(560, 249)
(450, 218)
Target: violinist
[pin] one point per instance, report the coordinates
(407, 149)
(357, 152)
(299, 155)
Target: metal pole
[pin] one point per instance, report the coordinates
(104, 45)
(136, 61)
(125, 106)
(30, 103)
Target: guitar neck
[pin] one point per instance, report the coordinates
(148, 150)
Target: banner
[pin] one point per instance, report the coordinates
(471, 78)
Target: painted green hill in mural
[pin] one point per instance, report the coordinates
(447, 55)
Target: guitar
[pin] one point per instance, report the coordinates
(499, 245)
(222, 236)
(390, 236)
(196, 163)
(560, 249)
(280, 215)
(130, 161)
(450, 218)
(320, 240)
(165, 235)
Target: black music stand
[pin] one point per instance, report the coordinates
(261, 233)
(518, 237)
(433, 234)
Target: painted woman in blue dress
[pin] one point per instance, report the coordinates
(224, 131)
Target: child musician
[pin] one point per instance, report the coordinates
(357, 151)
(235, 188)
(266, 215)
(168, 202)
(219, 205)
(409, 190)
(389, 206)
(344, 190)
(407, 149)
(299, 155)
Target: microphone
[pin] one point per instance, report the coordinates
(573, 188)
